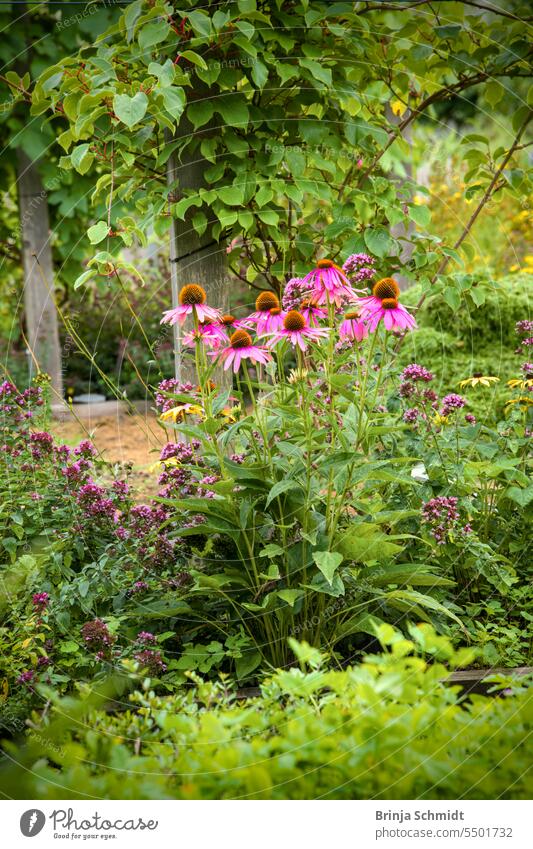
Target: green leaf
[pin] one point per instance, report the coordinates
(86, 275)
(452, 297)
(268, 216)
(200, 22)
(290, 596)
(317, 70)
(232, 195)
(259, 73)
(78, 155)
(200, 112)
(174, 100)
(520, 496)
(366, 542)
(130, 110)
(69, 647)
(246, 664)
(378, 242)
(421, 215)
(164, 73)
(195, 59)
(98, 232)
(328, 562)
(153, 33)
(233, 109)
(448, 30)
(280, 487)
(264, 196)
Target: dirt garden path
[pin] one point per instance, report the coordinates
(128, 440)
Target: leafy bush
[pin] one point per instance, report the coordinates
(457, 343)
(389, 728)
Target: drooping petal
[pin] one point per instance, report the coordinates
(389, 319)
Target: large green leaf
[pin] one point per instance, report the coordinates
(328, 562)
(365, 542)
(130, 110)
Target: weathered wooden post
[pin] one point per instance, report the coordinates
(41, 313)
(193, 258)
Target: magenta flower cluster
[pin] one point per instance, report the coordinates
(413, 387)
(40, 601)
(443, 517)
(359, 268)
(451, 403)
(96, 636)
(168, 388)
(151, 661)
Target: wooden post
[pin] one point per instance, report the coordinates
(193, 258)
(41, 314)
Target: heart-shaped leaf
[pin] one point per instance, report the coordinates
(130, 110)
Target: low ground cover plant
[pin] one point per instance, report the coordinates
(389, 728)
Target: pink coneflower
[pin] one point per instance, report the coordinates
(353, 327)
(330, 284)
(241, 348)
(209, 334)
(268, 316)
(192, 301)
(312, 312)
(297, 331)
(383, 304)
(227, 324)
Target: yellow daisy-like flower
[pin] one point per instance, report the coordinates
(231, 413)
(523, 401)
(163, 464)
(177, 414)
(440, 420)
(479, 380)
(518, 383)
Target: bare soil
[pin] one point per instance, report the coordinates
(133, 442)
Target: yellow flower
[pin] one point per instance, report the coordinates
(526, 402)
(177, 414)
(398, 108)
(517, 382)
(230, 413)
(440, 420)
(529, 259)
(514, 267)
(478, 380)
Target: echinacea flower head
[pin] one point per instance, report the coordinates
(311, 311)
(478, 380)
(353, 327)
(207, 333)
(329, 284)
(297, 331)
(268, 315)
(228, 324)
(241, 348)
(384, 305)
(192, 301)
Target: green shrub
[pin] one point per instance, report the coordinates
(387, 729)
(455, 344)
